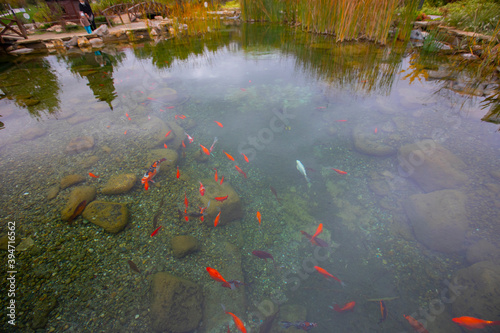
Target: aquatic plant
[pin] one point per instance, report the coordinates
(346, 19)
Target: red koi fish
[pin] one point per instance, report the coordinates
(92, 175)
(152, 171)
(215, 176)
(317, 241)
(171, 107)
(202, 212)
(259, 218)
(168, 133)
(417, 326)
(217, 218)
(340, 172)
(383, 312)
(186, 202)
(375, 130)
(214, 274)
(202, 189)
(156, 231)
(246, 158)
(186, 216)
(472, 323)
(346, 307)
(205, 150)
(220, 125)
(189, 138)
(241, 171)
(243, 89)
(228, 156)
(341, 120)
(328, 275)
(178, 172)
(183, 144)
(222, 180)
(222, 199)
(318, 231)
(125, 133)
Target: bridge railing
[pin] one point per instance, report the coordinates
(8, 26)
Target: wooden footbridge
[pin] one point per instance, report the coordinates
(135, 11)
(12, 28)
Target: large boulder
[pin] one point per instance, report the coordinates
(176, 304)
(184, 245)
(478, 291)
(439, 219)
(431, 166)
(170, 155)
(482, 251)
(231, 208)
(69, 180)
(77, 195)
(111, 216)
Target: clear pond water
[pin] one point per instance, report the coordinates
(400, 225)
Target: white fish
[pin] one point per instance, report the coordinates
(302, 170)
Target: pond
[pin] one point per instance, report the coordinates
(269, 134)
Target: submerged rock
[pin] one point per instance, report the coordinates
(111, 216)
(41, 312)
(77, 195)
(80, 144)
(184, 245)
(33, 133)
(366, 141)
(119, 184)
(231, 208)
(176, 304)
(69, 180)
(170, 155)
(52, 192)
(431, 166)
(482, 251)
(476, 291)
(439, 219)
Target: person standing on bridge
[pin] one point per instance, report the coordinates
(87, 11)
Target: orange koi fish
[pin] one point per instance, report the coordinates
(183, 144)
(221, 199)
(186, 216)
(216, 221)
(238, 322)
(383, 311)
(189, 137)
(152, 171)
(202, 210)
(318, 231)
(241, 171)
(341, 120)
(92, 175)
(245, 157)
(178, 172)
(346, 307)
(202, 189)
(228, 156)
(375, 130)
(215, 177)
(214, 274)
(156, 231)
(126, 115)
(222, 180)
(259, 217)
(171, 107)
(186, 202)
(78, 210)
(168, 133)
(328, 275)
(220, 125)
(340, 172)
(417, 326)
(243, 89)
(472, 323)
(205, 150)
(165, 145)
(125, 133)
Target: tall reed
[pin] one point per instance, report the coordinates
(346, 19)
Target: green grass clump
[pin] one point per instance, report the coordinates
(231, 5)
(480, 16)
